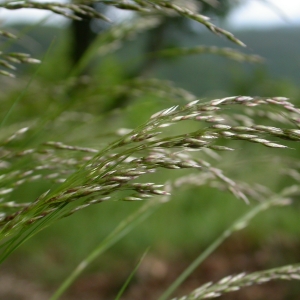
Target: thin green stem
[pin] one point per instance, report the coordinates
(122, 290)
(239, 224)
(121, 230)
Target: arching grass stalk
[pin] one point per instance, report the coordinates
(239, 224)
(236, 282)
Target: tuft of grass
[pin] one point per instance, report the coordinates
(188, 140)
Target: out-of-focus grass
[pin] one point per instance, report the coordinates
(189, 222)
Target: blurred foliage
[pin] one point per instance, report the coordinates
(88, 110)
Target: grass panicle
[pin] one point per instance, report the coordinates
(128, 164)
(108, 173)
(234, 283)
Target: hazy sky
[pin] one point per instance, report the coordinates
(267, 13)
(255, 13)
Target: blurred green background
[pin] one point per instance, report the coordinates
(86, 110)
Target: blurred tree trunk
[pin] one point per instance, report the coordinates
(84, 32)
(82, 37)
(158, 38)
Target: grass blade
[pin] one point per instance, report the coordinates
(121, 230)
(122, 290)
(239, 224)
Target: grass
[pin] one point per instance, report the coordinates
(68, 152)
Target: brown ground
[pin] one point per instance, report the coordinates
(156, 274)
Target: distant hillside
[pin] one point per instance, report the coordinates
(199, 73)
(204, 73)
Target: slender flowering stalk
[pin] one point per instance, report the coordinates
(65, 9)
(226, 52)
(236, 282)
(145, 150)
(78, 175)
